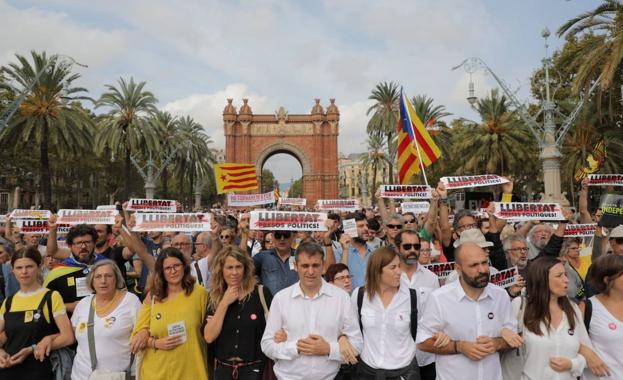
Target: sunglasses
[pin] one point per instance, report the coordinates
(408, 247)
(225, 236)
(282, 235)
(394, 226)
(409, 221)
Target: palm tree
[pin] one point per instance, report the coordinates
(603, 56)
(194, 157)
(496, 144)
(168, 125)
(431, 116)
(375, 158)
(384, 118)
(50, 116)
(125, 128)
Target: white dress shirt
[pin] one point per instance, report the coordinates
(387, 341)
(559, 342)
(206, 276)
(421, 278)
(448, 309)
(328, 314)
(606, 333)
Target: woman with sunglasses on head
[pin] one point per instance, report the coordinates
(553, 332)
(576, 268)
(236, 317)
(33, 322)
(275, 267)
(168, 328)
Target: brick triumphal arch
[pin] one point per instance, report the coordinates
(310, 138)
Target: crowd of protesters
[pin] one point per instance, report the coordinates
(234, 302)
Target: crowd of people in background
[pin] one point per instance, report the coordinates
(235, 302)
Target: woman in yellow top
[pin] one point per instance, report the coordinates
(168, 329)
(34, 321)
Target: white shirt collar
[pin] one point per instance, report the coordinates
(324, 290)
(460, 293)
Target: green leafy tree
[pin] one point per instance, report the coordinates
(50, 116)
(375, 158)
(125, 127)
(268, 181)
(384, 120)
(168, 127)
(296, 190)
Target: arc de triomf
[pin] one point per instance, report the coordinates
(310, 138)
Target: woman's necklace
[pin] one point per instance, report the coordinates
(105, 309)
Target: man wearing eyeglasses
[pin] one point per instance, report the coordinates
(275, 267)
(516, 249)
(394, 224)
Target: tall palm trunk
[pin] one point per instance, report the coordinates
(191, 189)
(165, 183)
(182, 168)
(391, 158)
(374, 172)
(46, 183)
(126, 175)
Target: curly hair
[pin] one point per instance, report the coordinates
(159, 285)
(218, 284)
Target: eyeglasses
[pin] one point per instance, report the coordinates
(268, 242)
(408, 247)
(83, 243)
(225, 236)
(467, 227)
(394, 226)
(282, 235)
(179, 245)
(409, 221)
(173, 268)
(520, 249)
(342, 278)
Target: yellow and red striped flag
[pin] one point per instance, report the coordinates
(411, 131)
(234, 177)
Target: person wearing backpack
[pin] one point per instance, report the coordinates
(388, 319)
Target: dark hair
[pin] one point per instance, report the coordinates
(410, 213)
(460, 215)
(81, 230)
(27, 253)
(334, 216)
(378, 259)
(359, 216)
(108, 228)
(160, 287)
(309, 247)
(374, 224)
(333, 270)
(398, 238)
(538, 296)
(608, 267)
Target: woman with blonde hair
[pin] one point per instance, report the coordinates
(236, 316)
(168, 329)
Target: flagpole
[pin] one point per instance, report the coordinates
(417, 146)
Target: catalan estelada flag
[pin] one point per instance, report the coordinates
(411, 131)
(234, 177)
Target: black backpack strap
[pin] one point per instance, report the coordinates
(413, 293)
(360, 294)
(588, 313)
(7, 304)
(199, 276)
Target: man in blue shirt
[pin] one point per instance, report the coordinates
(275, 267)
(355, 251)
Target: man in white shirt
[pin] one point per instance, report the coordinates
(421, 279)
(472, 313)
(314, 314)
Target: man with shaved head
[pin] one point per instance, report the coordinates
(472, 312)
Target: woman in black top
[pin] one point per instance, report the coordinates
(236, 317)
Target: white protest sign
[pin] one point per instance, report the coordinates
(106, 207)
(177, 329)
(348, 205)
(31, 226)
(415, 207)
(30, 214)
(152, 205)
(442, 270)
(580, 230)
(2, 218)
(521, 211)
(246, 200)
(605, 179)
(301, 202)
(171, 222)
(505, 278)
(406, 191)
(66, 216)
(288, 221)
(350, 227)
(461, 182)
(62, 229)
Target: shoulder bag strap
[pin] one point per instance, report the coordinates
(360, 294)
(413, 293)
(260, 290)
(91, 334)
(199, 276)
(588, 313)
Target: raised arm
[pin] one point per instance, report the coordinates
(585, 215)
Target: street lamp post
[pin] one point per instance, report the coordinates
(548, 136)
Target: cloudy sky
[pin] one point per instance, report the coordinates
(194, 54)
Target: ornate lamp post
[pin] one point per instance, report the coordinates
(549, 137)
